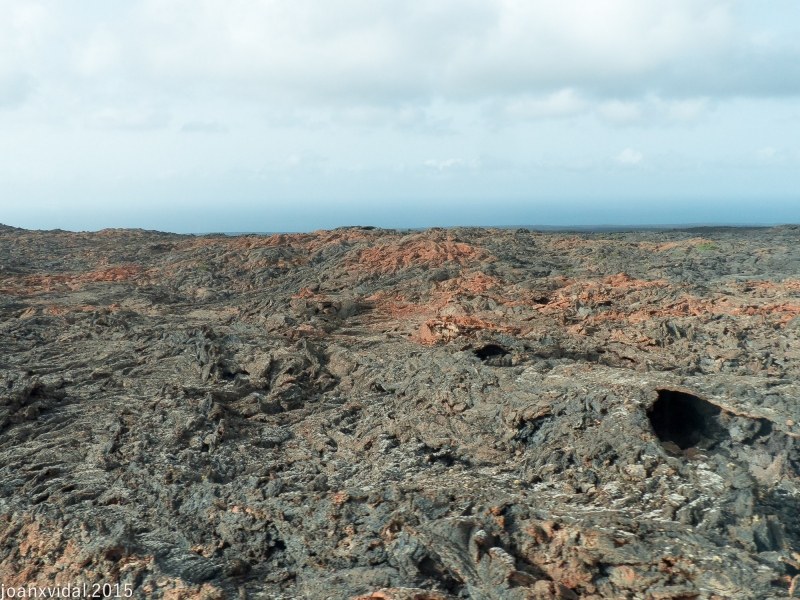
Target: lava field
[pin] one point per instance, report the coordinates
(483, 414)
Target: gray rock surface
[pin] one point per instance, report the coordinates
(466, 413)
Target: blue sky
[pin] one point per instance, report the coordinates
(277, 115)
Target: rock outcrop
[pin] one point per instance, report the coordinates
(378, 414)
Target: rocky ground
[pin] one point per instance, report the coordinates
(363, 413)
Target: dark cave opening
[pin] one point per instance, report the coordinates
(445, 458)
(686, 420)
(434, 570)
(791, 571)
(490, 351)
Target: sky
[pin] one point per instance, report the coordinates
(293, 115)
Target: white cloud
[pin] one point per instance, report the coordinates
(597, 45)
(14, 89)
(620, 113)
(307, 160)
(545, 58)
(452, 163)
(653, 109)
(630, 157)
(98, 55)
(769, 155)
(128, 118)
(413, 118)
(687, 110)
(766, 153)
(204, 127)
(564, 103)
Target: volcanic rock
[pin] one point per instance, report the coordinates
(362, 413)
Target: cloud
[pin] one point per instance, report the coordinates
(452, 163)
(407, 117)
(563, 103)
(604, 47)
(629, 157)
(203, 127)
(620, 113)
(128, 119)
(687, 110)
(766, 153)
(543, 59)
(653, 109)
(304, 161)
(769, 155)
(98, 55)
(15, 90)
